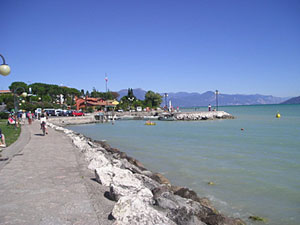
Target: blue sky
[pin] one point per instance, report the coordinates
(241, 46)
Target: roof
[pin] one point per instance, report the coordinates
(5, 91)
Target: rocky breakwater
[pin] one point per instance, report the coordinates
(143, 196)
(202, 115)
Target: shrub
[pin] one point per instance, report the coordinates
(4, 115)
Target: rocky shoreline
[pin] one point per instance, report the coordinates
(143, 196)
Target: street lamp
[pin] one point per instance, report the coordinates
(166, 101)
(24, 94)
(4, 68)
(217, 93)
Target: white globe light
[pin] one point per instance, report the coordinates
(4, 69)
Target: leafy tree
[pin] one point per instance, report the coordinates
(82, 92)
(115, 95)
(19, 87)
(152, 99)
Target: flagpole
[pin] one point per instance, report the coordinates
(106, 79)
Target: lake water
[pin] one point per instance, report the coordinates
(256, 171)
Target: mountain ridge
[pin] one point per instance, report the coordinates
(194, 99)
(295, 100)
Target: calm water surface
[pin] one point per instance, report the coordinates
(256, 171)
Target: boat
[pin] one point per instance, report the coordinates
(149, 123)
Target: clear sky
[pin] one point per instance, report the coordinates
(241, 46)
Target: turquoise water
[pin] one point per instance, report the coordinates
(255, 171)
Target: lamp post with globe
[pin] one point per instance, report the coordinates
(4, 68)
(217, 100)
(16, 101)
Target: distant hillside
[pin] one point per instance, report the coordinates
(185, 99)
(295, 100)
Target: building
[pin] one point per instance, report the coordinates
(5, 92)
(84, 103)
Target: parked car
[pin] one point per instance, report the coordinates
(77, 113)
(50, 112)
(58, 112)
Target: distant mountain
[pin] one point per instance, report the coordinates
(185, 99)
(295, 100)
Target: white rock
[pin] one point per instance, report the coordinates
(131, 210)
(113, 175)
(98, 160)
(121, 191)
(104, 175)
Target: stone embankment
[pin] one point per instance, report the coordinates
(143, 196)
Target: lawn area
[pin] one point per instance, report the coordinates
(10, 132)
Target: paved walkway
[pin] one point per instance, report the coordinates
(46, 182)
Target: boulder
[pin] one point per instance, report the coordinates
(135, 162)
(147, 182)
(160, 178)
(133, 210)
(116, 192)
(120, 177)
(127, 165)
(182, 211)
(219, 219)
(99, 160)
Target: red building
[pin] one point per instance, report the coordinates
(83, 103)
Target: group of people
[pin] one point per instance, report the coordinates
(21, 118)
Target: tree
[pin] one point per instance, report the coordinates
(16, 85)
(152, 100)
(82, 92)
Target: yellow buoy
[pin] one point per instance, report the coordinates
(278, 115)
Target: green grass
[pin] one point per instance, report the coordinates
(10, 132)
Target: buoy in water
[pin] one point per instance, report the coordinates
(210, 183)
(278, 115)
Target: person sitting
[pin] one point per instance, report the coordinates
(10, 121)
(2, 140)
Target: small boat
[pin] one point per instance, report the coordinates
(149, 123)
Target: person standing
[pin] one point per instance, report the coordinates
(209, 107)
(23, 117)
(29, 116)
(2, 139)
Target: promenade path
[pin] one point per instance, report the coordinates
(45, 181)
